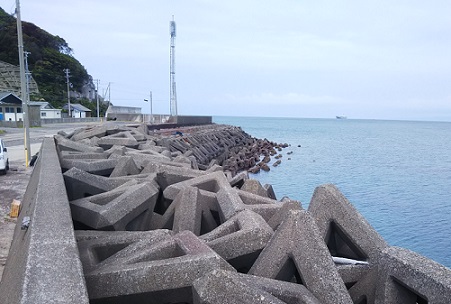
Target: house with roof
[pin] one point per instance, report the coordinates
(11, 112)
(47, 111)
(78, 111)
(10, 107)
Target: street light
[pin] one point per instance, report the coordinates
(147, 100)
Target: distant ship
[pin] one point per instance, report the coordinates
(341, 117)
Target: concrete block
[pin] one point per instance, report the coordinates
(215, 168)
(87, 235)
(407, 277)
(82, 155)
(85, 141)
(297, 253)
(186, 212)
(125, 166)
(264, 206)
(240, 239)
(148, 145)
(175, 154)
(238, 180)
(229, 202)
(124, 208)
(346, 232)
(138, 134)
(253, 186)
(192, 211)
(280, 216)
(352, 273)
(182, 159)
(143, 129)
(102, 167)
(115, 129)
(167, 154)
(154, 165)
(168, 174)
(65, 144)
(270, 191)
(116, 150)
(80, 184)
(285, 291)
(94, 141)
(124, 138)
(164, 269)
(96, 247)
(212, 182)
(97, 131)
(194, 164)
(64, 134)
(219, 285)
(143, 158)
(362, 289)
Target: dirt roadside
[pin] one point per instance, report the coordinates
(12, 186)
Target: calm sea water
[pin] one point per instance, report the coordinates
(396, 173)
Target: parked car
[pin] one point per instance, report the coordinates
(4, 160)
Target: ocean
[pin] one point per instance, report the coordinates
(396, 173)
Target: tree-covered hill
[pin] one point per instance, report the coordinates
(49, 56)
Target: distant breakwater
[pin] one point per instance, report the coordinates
(118, 214)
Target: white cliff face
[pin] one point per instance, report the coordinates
(88, 91)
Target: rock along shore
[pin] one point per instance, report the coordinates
(123, 215)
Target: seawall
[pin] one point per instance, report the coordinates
(126, 215)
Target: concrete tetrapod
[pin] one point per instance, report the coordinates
(296, 252)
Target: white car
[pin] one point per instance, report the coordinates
(4, 160)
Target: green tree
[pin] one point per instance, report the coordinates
(49, 56)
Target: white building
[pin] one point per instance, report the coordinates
(10, 107)
(78, 111)
(47, 111)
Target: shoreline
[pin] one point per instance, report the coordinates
(175, 192)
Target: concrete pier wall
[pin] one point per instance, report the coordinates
(126, 215)
(43, 264)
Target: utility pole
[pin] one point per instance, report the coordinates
(23, 86)
(97, 98)
(107, 90)
(151, 113)
(68, 91)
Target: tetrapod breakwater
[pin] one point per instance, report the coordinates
(121, 214)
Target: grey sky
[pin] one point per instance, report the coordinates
(364, 59)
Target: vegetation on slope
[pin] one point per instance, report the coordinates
(49, 56)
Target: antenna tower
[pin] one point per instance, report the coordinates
(173, 94)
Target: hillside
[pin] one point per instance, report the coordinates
(49, 56)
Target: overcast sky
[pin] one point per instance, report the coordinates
(363, 59)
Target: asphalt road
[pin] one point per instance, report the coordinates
(14, 138)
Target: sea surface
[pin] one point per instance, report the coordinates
(396, 173)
